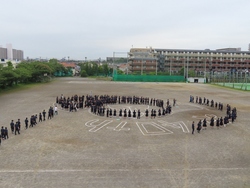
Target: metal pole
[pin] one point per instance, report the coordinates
(184, 71)
(127, 64)
(187, 66)
(170, 67)
(113, 63)
(205, 68)
(156, 67)
(141, 65)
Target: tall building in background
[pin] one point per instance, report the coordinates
(142, 60)
(3, 53)
(9, 53)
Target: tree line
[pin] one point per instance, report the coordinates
(95, 69)
(28, 72)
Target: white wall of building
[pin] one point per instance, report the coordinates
(196, 80)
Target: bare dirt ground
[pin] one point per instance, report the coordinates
(80, 149)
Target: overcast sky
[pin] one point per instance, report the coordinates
(97, 28)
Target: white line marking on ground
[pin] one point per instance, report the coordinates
(116, 170)
(97, 127)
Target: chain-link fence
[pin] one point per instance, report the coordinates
(237, 80)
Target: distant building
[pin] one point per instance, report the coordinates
(9, 53)
(142, 60)
(71, 65)
(200, 61)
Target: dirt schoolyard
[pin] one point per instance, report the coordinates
(81, 149)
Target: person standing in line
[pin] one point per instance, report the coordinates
(56, 110)
(6, 134)
(26, 121)
(138, 114)
(146, 113)
(19, 125)
(40, 117)
(199, 127)
(174, 102)
(12, 126)
(218, 123)
(193, 128)
(44, 115)
(2, 133)
(17, 128)
(205, 124)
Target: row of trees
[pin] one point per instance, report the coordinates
(28, 72)
(94, 69)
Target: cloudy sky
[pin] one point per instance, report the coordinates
(97, 28)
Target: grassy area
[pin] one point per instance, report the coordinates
(239, 86)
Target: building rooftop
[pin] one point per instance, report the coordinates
(224, 50)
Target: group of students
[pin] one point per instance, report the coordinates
(16, 126)
(98, 105)
(231, 114)
(207, 102)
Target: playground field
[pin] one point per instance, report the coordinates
(81, 149)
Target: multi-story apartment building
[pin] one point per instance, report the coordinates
(201, 61)
(142, 60)
(221, 60)
(10, 54)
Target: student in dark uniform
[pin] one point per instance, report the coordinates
(225, 120)
(221, 121)
(129, 113)
(212, 122)
(159, 112)
(193, 127)
(163, 112)
(110, 112)
(205, 124)
(17, 130)
(138, 114)
(31, 121)
(2, 133)
(115, 112)
(218, 123)
(125, 113)
(49, 114)
(12, 126)
(40, 117)
(120, 113)
(107, 113)
(134, 114)
(19, 124)
(35, 118)
(154, 114)
(44, 115)
(6, 134)
(199, 126)
(146, 113)
(26, 121)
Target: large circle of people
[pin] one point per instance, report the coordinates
(99, 106)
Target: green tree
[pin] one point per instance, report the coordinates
(83, 73)
(105, 69)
